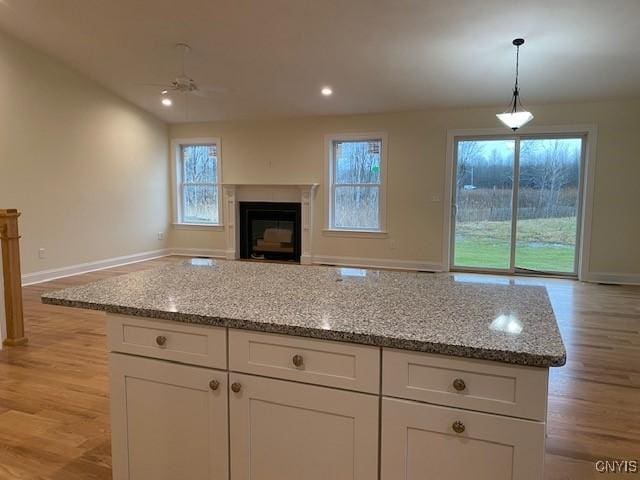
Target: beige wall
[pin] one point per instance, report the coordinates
(274, 151)
(87, 169)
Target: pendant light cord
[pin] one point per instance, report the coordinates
(517, 64)
(516, 91)
(185, 48)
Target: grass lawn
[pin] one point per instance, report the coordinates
(545, 244)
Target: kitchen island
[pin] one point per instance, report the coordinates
(248, 370)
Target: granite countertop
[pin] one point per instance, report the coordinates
(424, 312)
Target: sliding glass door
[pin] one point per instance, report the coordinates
(483, 204)
(548, 205)
(516, 204)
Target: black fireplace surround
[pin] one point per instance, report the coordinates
(270, 231)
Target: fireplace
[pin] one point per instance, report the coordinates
(270, 231)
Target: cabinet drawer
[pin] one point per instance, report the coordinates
(185, 343)
(419, 441)
(321, 362)
(473, 384)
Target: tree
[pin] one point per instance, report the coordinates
(469, 152)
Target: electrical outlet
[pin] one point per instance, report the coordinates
(41, 253)
(160, 235)
(392, 244)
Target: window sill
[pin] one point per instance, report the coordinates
(329, 232)
(199, 226)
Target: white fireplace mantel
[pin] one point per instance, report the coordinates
(234, 193)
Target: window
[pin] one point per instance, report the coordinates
(357, 182)
(198, 182)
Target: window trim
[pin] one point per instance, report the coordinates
(176, 179)
(329, 229)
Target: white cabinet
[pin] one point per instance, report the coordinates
(292, 408)
(306, 360)
(282, 430)
(168, 421)
(426, 441)
(174, 341)
(479, 385)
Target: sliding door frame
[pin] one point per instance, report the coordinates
(585, 205)
(514, 195)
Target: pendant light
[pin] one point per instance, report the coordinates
(516, 116)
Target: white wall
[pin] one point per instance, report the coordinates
(292, 150)
(88, 170)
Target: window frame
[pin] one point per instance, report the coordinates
(177, 146)
(590, 131)
(330, 189)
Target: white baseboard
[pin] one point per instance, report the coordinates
(78, 269)
(378, 263)
(617, 278)
(306, 259)
(55, 273)
(197, 252)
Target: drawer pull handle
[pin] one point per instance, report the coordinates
(161, 340)
(298, 361)
(458, 426)
(459, 384)
(236, 387)
(214, 384)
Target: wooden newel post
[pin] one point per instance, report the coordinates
(9, 240)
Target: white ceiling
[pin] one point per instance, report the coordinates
(378, 55)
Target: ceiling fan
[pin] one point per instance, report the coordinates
(183, 83)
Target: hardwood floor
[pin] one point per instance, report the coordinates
(54, 415)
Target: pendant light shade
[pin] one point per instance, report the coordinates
(515, 120)
(516, 116)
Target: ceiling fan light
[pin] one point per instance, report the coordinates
(515, 120)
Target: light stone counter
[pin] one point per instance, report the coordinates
(413, 311)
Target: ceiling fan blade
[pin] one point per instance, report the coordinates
(210, 91)
(203, 94)
(159, 85)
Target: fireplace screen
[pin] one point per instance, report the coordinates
(270, 231)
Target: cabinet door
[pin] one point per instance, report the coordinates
(282, 430)
(168, 421)
(419, 442)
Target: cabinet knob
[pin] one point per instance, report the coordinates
(236, 387)
(458, 426)
(298, 361)
(459, 384)
(214, 384)
(161, 340)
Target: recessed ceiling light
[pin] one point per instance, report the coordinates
(326, 91)
(167, 102)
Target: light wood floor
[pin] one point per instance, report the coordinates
(54, 416)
